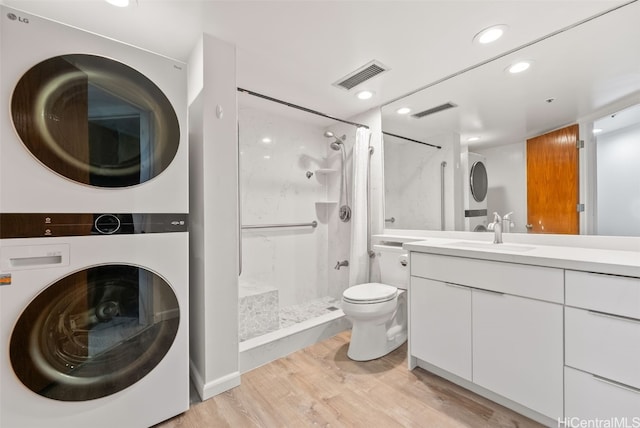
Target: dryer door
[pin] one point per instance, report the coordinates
(478, 181)
(95, 121)
(94, 332)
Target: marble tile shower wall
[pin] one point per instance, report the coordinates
(412, 184)
(275, 154)
(339, 232)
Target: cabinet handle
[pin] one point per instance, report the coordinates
(616, 384)
(456, 286)
(615, 317)
(483, 290)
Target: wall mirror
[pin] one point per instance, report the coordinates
(582, 75)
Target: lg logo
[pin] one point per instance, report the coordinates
(14, 17)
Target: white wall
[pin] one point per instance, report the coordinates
(618, 182)
(507, 176)
(213, 210)
(274, 190)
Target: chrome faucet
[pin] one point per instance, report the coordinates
(507, 223)
(496, 226)
(340, 264)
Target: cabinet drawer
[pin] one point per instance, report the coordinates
(604, 345)
(521, 280)
(589, 397)
(617, 295)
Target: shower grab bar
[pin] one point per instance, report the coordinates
(269, 226)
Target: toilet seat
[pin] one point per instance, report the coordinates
(370, 293)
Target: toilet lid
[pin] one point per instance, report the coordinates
(370, 293)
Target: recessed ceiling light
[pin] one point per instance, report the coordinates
(597, 130)
(119, 3)
(519, 67)
(266, 140)
(490, 34)
(364, 95)
(470, 139)
(403, 110)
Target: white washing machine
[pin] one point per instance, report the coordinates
(88, 124)
(476, 186)
(94, 326)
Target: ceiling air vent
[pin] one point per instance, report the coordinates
(362, 74)
(445, 106)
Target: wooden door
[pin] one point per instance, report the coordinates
(553, 182)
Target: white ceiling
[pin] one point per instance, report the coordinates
(585, 71)
(295, 50)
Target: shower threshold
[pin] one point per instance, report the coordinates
(268, 347)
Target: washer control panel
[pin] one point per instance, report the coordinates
(38, 225)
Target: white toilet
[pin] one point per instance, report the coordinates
(379, 311)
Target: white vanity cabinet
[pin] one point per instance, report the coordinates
(498, 325)
(602, 346)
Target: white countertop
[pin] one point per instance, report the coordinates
(615, 262)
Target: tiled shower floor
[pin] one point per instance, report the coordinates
(257, 315)
(302, 312)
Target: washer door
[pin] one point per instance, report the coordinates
(480, 228)
(95, 121)
(478, 181)
(94, 332)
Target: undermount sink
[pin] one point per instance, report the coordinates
(491, 246)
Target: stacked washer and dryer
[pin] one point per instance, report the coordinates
(476, 186)
(93, 227)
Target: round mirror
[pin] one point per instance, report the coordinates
(478, 181)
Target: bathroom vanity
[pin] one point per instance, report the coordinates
(551, 332)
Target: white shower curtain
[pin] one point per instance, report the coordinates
(359, 256)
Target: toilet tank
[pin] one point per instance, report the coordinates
(394, 265)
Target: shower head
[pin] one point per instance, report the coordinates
(336, 145)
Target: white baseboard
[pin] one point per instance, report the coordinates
(214, 387)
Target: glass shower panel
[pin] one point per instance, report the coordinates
(283, 190)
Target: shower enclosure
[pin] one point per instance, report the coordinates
(290, 179)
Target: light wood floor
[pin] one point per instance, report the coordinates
(320, 386)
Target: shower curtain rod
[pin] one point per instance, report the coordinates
(308, 110)
(411, 139)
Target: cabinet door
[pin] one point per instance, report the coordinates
(517, 350)
(441, 325)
